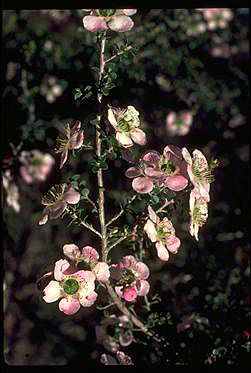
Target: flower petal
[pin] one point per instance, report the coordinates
(60, 269)
(129, 12)
(57, 209)
(71, 251)
(94, 24)
(124, 139)
(86, 276)
(132, 172)
(176, 182)
(152, 215)
(52, 292)
(69, 305)
(162, 251)
(101, 270)
(72, 196)
(89, 299)
(143, 287)
(186, 156)
(142, 270)
(151, 231)
(152, 172)
(173, 243)
(130, 294)
(151, 157)
(138, 136)
(44, 217)
(142, 185)
(121, 23)
(64, 156)
(107, 359)
(76, 140)
(90, 254)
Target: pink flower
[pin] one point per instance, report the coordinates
(198, 212)
(35, 165)
(56, 201)
(12, 192)
(179, 123)
(217, 17)
(167, 170)
(123, 359)
(72, 138)
(114, 19)
(162, 233)
(114, 332)
(126, 123)
(130, 275)
(75, 288)
(87, 258)
(198, 171)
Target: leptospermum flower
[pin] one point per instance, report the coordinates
(123, 359)
(56, 201)
(114, 332)
(162, 233)
(198, 212)
(71, 138)
(167, 170)
(88, 259)
(199, 172)
(130, 275)
(126, 123)
(179, 123)
(114, 19)
(75, 288)
(35, 165)
(217, 17)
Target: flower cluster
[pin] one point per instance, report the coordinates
(114, 332)
(126, 123)
(167, 170)
(71, 138)
(179, 124)
(130, 278)
(115, 19)
(35, 166)
(217, 17)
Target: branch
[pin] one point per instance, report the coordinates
(167, 202)
(116, 243)
(122, 210)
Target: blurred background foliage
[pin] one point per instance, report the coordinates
(47, 55)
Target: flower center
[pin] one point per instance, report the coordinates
(36, 161)
(163, 231)
(200, 213)
(126, 278)
(180, 122)
(106, 12)
(124, 125)
(167, 167)
(71, 286)
(202, 172)
(83, 265)
(54, 195)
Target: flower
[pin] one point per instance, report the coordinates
(198, 212)
(75, 289)
(126, 123)
(71, 138)
(35, 165)
(179, 123)
(114, 332)
(130, 275)
(50, 86)
(12, 198)
(199, 171)
(87, 259)
(162, 233)
(167, 170)
(56, 201)
(123, 359)
(114, 19)
(217, 17)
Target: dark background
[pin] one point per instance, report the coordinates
(171, 71)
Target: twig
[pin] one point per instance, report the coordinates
(165, 205)
(116, 243)
(122, 210)
(118, 54)
(86, 225)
